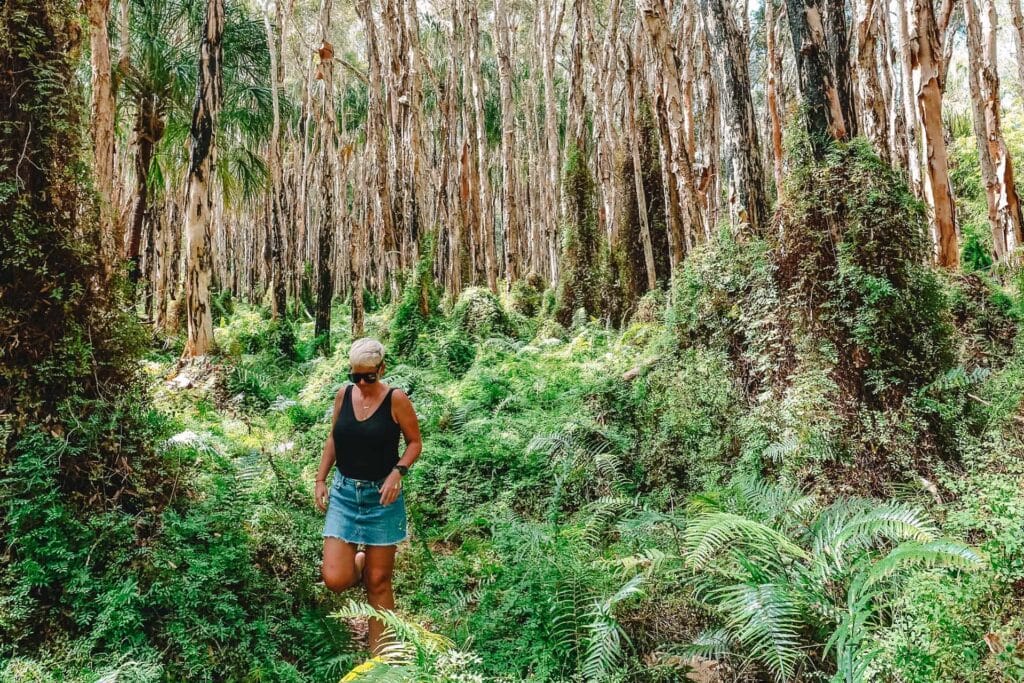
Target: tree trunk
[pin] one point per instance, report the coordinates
(926, 55)
(103, 133)
(773, 71)
(482, 163)
(638, 177)
(654, 16)
(511, 220)
(326, 129)
(1004, 211)
(149, 129)
(200, 172)
(1018, 37)
(876, 116)
(747, 199)
(815, 73)
(909, 110)
(551, 12)
(279, 299)
(838, 40)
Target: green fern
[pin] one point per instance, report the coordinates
(777, 573)
(605, 636)
(766, 619)
(708, 536)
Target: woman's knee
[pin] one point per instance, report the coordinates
(338, 580)
(377, 580)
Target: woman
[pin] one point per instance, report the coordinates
(365, 505)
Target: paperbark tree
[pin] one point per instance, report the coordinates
(327, 132)
(199, 206)
(654, 15)
(279, 299)
(912, 125)
(747, 199)
(1018, 37)
(511, 218)
(486, 228)
(815, 73)
(926, 56)
(773, 74)
(837, 37)
(876, 115)
(1004, 211)
(103, 133)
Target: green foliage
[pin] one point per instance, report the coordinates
(788, 579)
(478, 314)
(628, 257)
(851, 274)
(687, 411)
(582, 273)
(221, 304)
(306, 295)
(526, 295)
(418, 307)
(67, 329)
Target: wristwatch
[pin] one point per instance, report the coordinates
(402, 469)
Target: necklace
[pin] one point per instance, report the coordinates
(365, 400)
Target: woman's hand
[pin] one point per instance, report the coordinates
(320, 496)
(391, 487)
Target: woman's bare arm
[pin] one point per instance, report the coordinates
(405, 414)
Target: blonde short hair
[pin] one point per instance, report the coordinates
(366, 352)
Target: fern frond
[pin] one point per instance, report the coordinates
(605, 636)
(777, 452)
(766, 620)
(650, 560)
(916, 555)
(609, 465)
(772, 501)
(410, 640)
(597, 515)
(713, 644)
(709, 535)
(857, 524)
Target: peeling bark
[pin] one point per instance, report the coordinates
(926, 57)
(200, 205)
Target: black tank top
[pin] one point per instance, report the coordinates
(366, 449)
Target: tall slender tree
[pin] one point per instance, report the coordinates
(815, 73)
(200, 184)
(747, 199)
(103, 130)
(926, 62)
(327, 133)
(1004, 210)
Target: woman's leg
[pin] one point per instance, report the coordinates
(380, 564)
(339, 567)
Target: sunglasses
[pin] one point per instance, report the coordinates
(368, 377)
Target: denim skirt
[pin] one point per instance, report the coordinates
(354, 513)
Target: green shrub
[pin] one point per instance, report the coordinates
(526, 294)
(417, 311)
(479, 315)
